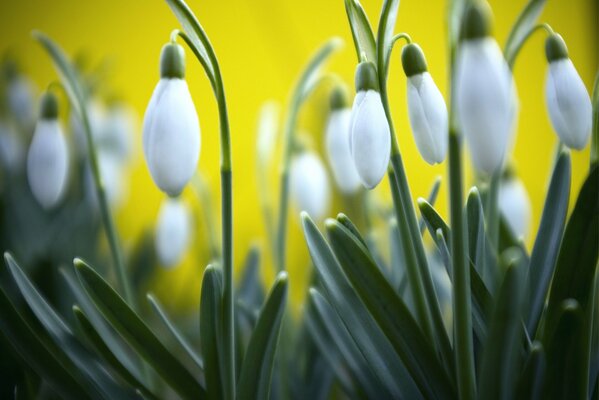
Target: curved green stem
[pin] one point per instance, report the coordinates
(544, 26)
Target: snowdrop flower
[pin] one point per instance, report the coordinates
(426, 107)
(12, 149)
(47, 160)
(171, 129)
(310, 185)
(337, 143)
(485, 108)
(370, 140)
(514, 205)
(113, 178)
(96, 115)
(173, 231)
(567, 98)
(21, 99)
(116, 131)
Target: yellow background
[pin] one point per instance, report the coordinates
(262, 45)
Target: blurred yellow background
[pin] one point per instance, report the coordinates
(262, 45)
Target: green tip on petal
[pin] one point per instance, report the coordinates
(49, 106)
(555, 48)
(366, 77)
(476, 23)
(339, 98)
(172, 61)
(412, 60)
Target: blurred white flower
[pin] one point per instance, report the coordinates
(485, 108)
(117, 131)
(96, 114)
(21, 94)
(173, 231)
(12, 149)
(267, 131)
(514, 205)
(171, 129)
(337, 145)
(47, 163)
(567, 99)
(310, 185)
(114, 178)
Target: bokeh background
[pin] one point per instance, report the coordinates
(262, 45)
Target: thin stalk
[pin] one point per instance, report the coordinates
(203, 195)
(492, 211)
(462, 308)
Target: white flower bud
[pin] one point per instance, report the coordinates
(568, 101)
(428, 117)
(47, 163)
(21, 100)
(515, 207)
(337, 145)
(116, 132)
(309, 185)
(173, 231)
(12, 149)
(485, 108)
(171, 129)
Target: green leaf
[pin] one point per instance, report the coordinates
(595, 130)
(159, 311)
(432, 198)
(454, 16)
(380, 355)
(328, 330)
(549, 236)
(361, 31)
(384, 44)
(565, 375)
(134, 330)
(579, 248)
(390, 313)
(476, 231)
(96, 341)
(211, 330)
(349, 225)
(525, 22)
(309, 79)
(250, 289)
(195, 38)
(63, 378)
(256, 370)
(501, 350)
(530, 385)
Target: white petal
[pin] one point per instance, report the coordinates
(268, 124)
(340, 159)
(360, 96)
(116, 132)
(12, 149)
(112, 172)
(515, 207)
(47, 163)
(428, 117)
(171, 136)
(173, 231)
(310, 185)
(484, 102)
(568, 103)
(21, 99)
(370, 139)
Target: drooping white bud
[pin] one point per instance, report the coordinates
(370, 140)
(485, 108)
(567, 99)
(337, 139)
(310, 185)
(171, 129)
(426, 107)
(48, 159)
(514, 205)
(173, 231)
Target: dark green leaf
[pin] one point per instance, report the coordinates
(501, 350)
(134, 330)
(476, 231)
(390, 313)
(525, 22)
(549, 236)
(211, 330)
(250, 289)
(361, 31)
(158, 309)
(432, 198)
(531, 380)
(256, 370)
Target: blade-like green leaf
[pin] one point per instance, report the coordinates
(211, 330)
(361, 31)
(390, 313)
(134, 330)
(530, 385)
(384, 36)
(256, 370)
(565, 374)
(476, 231)
(500, 353)
(96, 341)
(525, 22)
(432, 198)
(309, 79)
(545, 249)
(250, 289)
(29, 347)
(380, 355)
(579, 248)
(159, 310)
